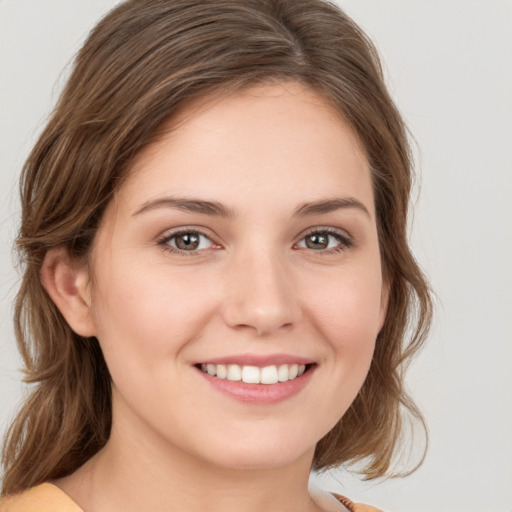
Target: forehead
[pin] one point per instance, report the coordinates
(280, 137)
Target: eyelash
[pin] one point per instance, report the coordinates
(344, 241)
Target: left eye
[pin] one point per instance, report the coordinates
(322, 240)
(189, 241)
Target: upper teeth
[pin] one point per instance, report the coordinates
(254, 374)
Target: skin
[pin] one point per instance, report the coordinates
(254, 286)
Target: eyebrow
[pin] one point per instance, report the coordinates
(330, 205)
(212, 208)
(215, 209)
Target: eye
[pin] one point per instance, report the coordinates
(325, 240)
(186, 241)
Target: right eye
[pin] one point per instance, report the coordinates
(186, 241)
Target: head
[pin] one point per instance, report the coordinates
(142, 68)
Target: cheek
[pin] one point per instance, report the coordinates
(147, 315)
(347, 312)
(349, 305)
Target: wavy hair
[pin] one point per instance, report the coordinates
(136, 69)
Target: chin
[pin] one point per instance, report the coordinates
(262, 453)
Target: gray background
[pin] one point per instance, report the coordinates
(449, 66)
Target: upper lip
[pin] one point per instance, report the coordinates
(258, 360)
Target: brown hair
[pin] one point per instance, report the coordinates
(137, 67)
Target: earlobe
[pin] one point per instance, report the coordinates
(67, 283)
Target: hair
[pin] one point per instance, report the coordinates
(138, 66)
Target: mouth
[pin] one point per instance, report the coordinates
(258, 379)
(249, 374)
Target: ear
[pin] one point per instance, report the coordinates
(67, 283)
(384, 300)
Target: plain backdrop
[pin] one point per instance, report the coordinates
(448, 64)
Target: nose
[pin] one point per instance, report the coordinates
(260, 295)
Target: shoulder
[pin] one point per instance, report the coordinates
(355, 507)
(42, 498)
(49, 498)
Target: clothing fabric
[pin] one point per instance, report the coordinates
(41, 498)
(49, 498)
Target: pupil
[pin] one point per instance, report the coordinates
(187, 241)
(317, 241)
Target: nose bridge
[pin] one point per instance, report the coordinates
(260, 292)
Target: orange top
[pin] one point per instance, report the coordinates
(49, 498)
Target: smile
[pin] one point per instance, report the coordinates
(258, 379)
(272, 374)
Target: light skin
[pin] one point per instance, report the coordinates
(272, 192)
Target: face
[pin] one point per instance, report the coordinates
(243, 245)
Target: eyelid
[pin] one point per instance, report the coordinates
(326, 229)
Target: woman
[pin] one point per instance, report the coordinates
(218, 281)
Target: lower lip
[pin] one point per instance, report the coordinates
(260, 393)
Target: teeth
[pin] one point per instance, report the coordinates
(253, 374)
(269, 375)
(282, 373)
(234, 372)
